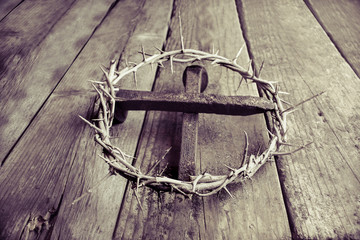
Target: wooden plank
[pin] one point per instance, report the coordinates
(257, 211)
(38, 43)
(321, 183)
(341, 21)
(6, 6)
(56, 161)
(150, 31)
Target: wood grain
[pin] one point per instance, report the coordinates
(192, 79)
(56, 161)
(321, 183)
(189, 102)
(146, 25)
(6, 6)
(341, 21)
(39, 42)
(50, 165)
(148, 215)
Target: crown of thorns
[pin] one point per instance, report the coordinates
(204, 184)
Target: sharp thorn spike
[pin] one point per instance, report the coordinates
(227, 190)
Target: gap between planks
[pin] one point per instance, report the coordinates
(316, 179)
(39, 62)
(156, 141)
(333, 35)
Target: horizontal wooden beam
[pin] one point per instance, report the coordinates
(191, 103)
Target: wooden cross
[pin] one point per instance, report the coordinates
(191, 102)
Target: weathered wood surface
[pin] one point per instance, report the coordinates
(48, 51)
(38, 42)
(321, 183)
(148, 215)
(6, 6)
(340, 19)
(190, 102)
(56, 161)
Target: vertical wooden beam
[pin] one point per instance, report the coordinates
(193, 78)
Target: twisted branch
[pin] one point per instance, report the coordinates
(205, 184)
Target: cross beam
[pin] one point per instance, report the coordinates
(191, 102)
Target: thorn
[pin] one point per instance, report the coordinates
(249, 64)
(106, 159)
(160, 64)
(158, 161)
(291, 152)
(180, 191)
(138, 200)
(238, 54)
(181, 34)
(277, 88)
(104, 70)
(137, 183)
(287, 144)
(166, 152)
(90, 190)
(90, 124)
(228, 192)
(286, 102)
(97, 119)
(252, 70)
(161, 51)
(97, 82)
(302, 102)
(271, 134)
(246, 149)
(143, 53)
(258, 152)
(135, 79)
(146, 54)
(196, 181)
(289, 111)
(261, 68)
(171, 64)
(232, 169)
(242, 78)
(214, 62)
(161, 173)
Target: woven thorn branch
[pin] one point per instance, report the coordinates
(204, 184)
